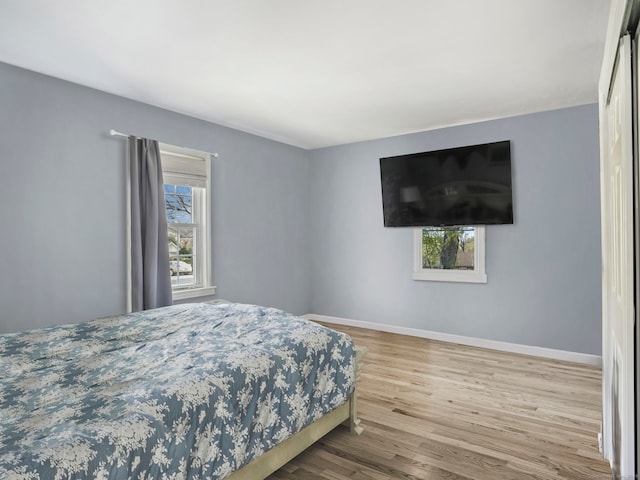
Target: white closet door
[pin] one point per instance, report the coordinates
(618, 270)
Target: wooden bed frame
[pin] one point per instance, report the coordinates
(272, 460)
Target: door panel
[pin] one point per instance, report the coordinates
(618, 272)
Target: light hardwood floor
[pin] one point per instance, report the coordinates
(435, 410)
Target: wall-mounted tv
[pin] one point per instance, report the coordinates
(456, 186)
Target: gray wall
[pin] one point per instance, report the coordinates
(62, 204)
(543, 272)
(294, 229)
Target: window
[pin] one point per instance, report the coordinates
(449, 254)
(186, 195)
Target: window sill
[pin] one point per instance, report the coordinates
(193, 293)
(450, 276)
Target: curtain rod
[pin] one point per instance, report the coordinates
(115, 133)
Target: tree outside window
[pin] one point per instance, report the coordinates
(448, 248)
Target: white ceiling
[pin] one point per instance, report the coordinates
(320, 73)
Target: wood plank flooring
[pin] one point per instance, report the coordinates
(435, 410)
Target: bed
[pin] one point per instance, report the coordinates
(195, 391)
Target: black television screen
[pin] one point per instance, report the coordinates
(457, 186)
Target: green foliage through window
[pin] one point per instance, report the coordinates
(448, 248)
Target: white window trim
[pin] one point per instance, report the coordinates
(193, 292)
(206, 289)
(477, 275)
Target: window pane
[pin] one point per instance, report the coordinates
(173, 242)
(182, 257)
(178, 203)
(170, 203)
(448, 248)
(183, 208)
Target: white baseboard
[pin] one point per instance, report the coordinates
(471, 341)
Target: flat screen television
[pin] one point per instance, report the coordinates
(456, 186)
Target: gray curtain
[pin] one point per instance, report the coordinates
(150, 278)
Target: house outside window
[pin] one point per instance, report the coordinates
(449, 254)
(186, 193)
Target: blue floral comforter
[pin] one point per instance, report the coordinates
(184, 392)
